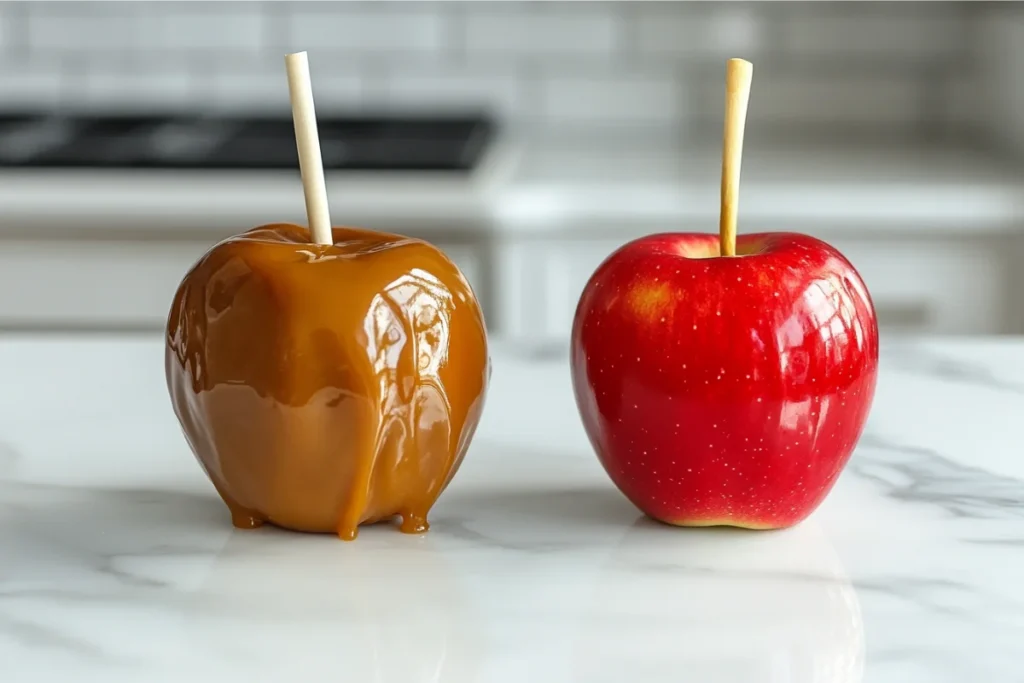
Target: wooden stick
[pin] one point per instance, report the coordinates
(311, 165)
(737, 94)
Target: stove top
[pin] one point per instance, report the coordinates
(348, 143)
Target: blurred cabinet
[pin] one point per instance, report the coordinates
(528, 286)
(66, 284)
(934, 285)
(115, 285)
(539, 283)
(924, 285)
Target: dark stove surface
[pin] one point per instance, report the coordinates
(348, 143)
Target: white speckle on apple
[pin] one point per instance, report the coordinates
(739, 279)
(758, 399)
(695, 326)
(718, 313)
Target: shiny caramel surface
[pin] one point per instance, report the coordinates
(325, 387)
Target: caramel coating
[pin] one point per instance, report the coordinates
(325, 387)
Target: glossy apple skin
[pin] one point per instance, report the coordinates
(725, 391)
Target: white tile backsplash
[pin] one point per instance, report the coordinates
(822, 99)
(377, 29)
(24, 86)
(607, 98)
(550, 63)
(962, 97)
(890, 31)
(1000, 60)
(8, 29)
(83, 27)
(531, 30)
(128, 86)
(700, 31)
(240, 87)
(190, 26)
(496, 88)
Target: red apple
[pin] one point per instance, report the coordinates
(725, 390)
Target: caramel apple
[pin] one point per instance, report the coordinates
(322, 387)
(327, 383)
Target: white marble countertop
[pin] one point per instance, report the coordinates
(118, 563)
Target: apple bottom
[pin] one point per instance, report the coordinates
(697, 493)
(673, 517)
(777, 492)
(760, 526)
(755, 463)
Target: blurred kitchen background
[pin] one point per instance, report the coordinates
(528, 139)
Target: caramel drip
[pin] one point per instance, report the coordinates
(326, 387)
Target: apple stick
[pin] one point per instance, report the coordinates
(311, 165)
(738, 74)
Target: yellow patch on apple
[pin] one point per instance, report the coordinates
(650, 300)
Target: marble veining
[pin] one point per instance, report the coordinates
(920, 475)
(920, 359)
(117, 562)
